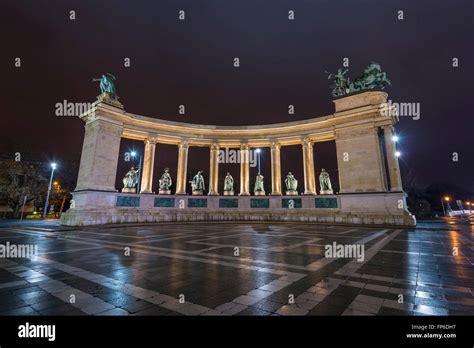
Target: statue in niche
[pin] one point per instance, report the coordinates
(259, 190)
(130, 181)
(165, 183)
(228, 185)
(291, 185)
(325, 183)
(197, 184)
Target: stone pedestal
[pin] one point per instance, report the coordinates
(326, 192)
(380, 209)
(292, 193)
(197, 193)
(129, 190)
(228, 193)
(164, 192)
(259, 193)
(359, 148)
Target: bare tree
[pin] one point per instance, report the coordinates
(19, 179)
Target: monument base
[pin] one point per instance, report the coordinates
(292, 193)
(374, 209)
(197, 193)
(164, 192)
(326, 192)
(129, 190)
(259, 193)
(228, 193)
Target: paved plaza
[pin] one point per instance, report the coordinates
(238, 269)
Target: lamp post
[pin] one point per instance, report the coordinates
(45, 211)
(469, 205)
(446, 198)
(258, 159)
(139, 171)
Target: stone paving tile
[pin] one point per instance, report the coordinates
(113, 312)
(277, 262)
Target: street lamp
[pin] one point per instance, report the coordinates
(469, 205)
(45, 210)
(134, 154)
(398, 153)
(258, 159)
(446, 198)
(395, 138)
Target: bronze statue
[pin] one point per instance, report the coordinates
(372, 78)
(107, 85)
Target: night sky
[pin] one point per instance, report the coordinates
(282, 62)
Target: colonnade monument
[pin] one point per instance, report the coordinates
(370, 186)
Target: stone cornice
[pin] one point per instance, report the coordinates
(356, 111)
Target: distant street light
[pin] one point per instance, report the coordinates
(45, 210)
(398, 153)
(258, 159)
(395, 138)
(134, 154)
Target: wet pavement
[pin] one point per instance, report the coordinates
(238, 269)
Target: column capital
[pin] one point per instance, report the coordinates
(389, 128)
(184, 144)
(306, 141)
(275, 144)
(244, 146)
(214, 146)
(151, 140)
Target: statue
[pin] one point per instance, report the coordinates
(165, 183)
(291, 185)
(259, 190)
(372, 78)
(130, 181)
(340, 85)
(107, 85)
(197, 184)
(325, 183)
(228, 185)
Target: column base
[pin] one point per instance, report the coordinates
(244, 194)
(275, 194)
(213, 194)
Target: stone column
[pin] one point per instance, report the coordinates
(148, 164)
(182, 168)
(244, 170)
(308, 166)
(392, 160)
(214, 170)
(276, 169)
(100, 153)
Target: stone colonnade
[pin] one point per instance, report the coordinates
(363, 135)
(181, 179)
